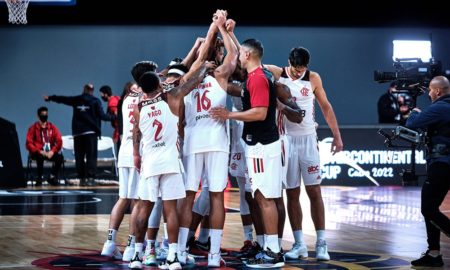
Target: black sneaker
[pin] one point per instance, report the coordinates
(53, 180)
(428, 261)
(249, 252)
(203, 246)
(268, 259)
(171, 265)
(136, 262)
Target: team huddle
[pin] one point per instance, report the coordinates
(176, 134)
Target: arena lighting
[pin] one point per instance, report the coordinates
(405, 49)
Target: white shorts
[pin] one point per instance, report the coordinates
(215, 166)
(128, 183)
(202, 203)
(264, 168)
(168, 186)
(238, 166)
(284, 158)
(304, 161)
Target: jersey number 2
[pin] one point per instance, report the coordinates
(159, 127)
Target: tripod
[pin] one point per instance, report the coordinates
(409, 176)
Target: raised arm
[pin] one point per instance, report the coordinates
(224, 71)
(61, 99)
(203, 51)
(190, 57)
(176, 95)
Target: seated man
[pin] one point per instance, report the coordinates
(44, 143)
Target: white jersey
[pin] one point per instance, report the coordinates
(302, 93)
(202, 133)
(159, 137)
(236, 128)
(126, 145)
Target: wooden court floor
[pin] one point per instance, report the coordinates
(64, 228)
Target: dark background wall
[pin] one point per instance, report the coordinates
(39, 60)
(64, 47)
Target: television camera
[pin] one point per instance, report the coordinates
(412, 76)
(413, 139)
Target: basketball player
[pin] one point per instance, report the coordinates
(155, 120)
(304, 162)
(206, 141)
(263, 151)
(128, 176)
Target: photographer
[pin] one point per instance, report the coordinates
(436, 119)
(392, 108)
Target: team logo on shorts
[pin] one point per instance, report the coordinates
(313, 169)
(233, 166)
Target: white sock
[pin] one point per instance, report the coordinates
(131, 240)
(203, 235)
(151, 243)
(112, 235)
(248, 233)
(165, 230)
(298, 236)
(272, 243)
(320, 235)
(216, 240)
(434, 253)
(182, 238)
(172, 251)
(138, 247)
(280, 241)
(260, 240)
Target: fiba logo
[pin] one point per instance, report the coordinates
(304, 91)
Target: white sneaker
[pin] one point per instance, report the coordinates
(128, 253)
(110, 250)
(298, 251)
(184, 258)
(135, 262)
(161, 253)
(215, 260)
(150, 257)
(322, 251)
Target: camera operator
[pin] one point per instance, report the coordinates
(392, 108)
(436, 119)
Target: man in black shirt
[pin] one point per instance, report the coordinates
(86, 128)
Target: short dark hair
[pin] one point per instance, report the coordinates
(105, 89)
(393, 84)
(149, 82)
(141, 67)
(255, 45)
(42, 109)
(299, 57)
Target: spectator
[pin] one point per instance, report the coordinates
(44, 143)
(113, 102)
